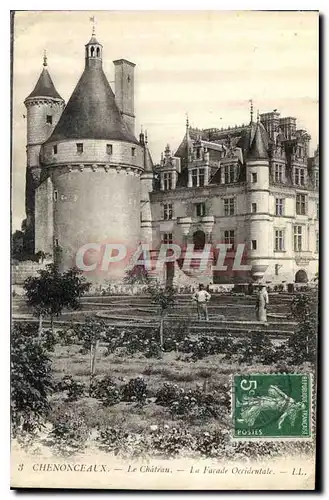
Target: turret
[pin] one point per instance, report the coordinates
(44, 107)
(257, 172)
(146, 187)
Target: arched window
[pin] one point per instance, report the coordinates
(92, 50)
(98, 52)
(301, 276)
(199, 240)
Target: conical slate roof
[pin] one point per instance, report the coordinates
(148, 162)
(45, 87)
(91, 112)
(185, 147)
(259, 144)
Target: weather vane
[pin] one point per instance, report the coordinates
(92, 20)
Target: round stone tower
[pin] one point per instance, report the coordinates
(94, 162)
(44, 107)
(257, 165)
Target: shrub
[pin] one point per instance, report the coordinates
(105, 390)
(171, 442)
(135, 390)
(31, 382)
(192, 403)
(74, 389)
(69, 434)
(67, 337)
(122, 443)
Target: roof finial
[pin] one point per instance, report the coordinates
(251, 110)
(187, 122)
(257, 115)
(45, 58)
(146, 139)
(92, 19)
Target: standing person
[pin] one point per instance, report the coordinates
(261, 304)
(202, 297)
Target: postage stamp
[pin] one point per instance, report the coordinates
(272, 405)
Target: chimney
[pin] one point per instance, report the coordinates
(124, 91)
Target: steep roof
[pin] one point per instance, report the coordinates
(185, 147)
(91, 112)
(258, 143)
(148, 162)
(44, 87)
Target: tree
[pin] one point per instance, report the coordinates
(303, 343)
(90, 333)
(51, 291)
(136, 276)
(31, 381)
(164, 297)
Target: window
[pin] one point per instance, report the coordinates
(109, 149)
(300, 176)
(301, 204)
(298, 238)
(200, 209)
(253, 244)
(229, 206)
(198, 153)
(55, 195)
(279, 240)
(167, 181)
(201, 176)
(167, 211)
(254, 208)
(197, 177)
(49, 119)
(79, 147)
(278, 173)
(279, 206)
(316, 180)
(55, 149)
(229, 238)
(254, 177)
(317, 242)
(167, 238)
(317, 210)
(56, 242)
(229, 174)
(133, 151)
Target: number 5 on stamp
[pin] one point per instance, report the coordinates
(272, 405)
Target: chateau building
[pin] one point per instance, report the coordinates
(90, 181)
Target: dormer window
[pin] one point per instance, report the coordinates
(167, 181)
(80, 148)
(229, 174)
(109, 149)
(49, 119)
(55, 149)
(198, 177)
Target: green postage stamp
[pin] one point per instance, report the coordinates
(272, 405)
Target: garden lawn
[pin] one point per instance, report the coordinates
(209, 373)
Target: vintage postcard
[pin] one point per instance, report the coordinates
(165, 249)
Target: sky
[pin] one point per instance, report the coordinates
(207, 64)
